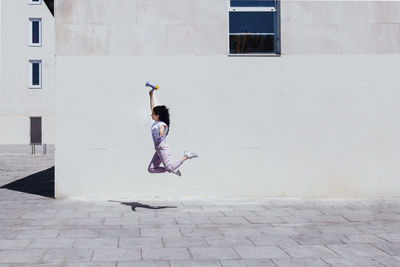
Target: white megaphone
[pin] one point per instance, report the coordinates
(153, 87)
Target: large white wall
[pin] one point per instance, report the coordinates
(17, 101)
(319, 121)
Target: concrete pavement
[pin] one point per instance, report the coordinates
(39, 231)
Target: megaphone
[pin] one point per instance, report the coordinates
(154, 87)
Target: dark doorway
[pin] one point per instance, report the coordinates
(36, 130)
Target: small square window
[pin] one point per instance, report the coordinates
(35, 2)
(35, 74)
(254, 27)
(35, 32)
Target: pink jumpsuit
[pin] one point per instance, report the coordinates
(163, 152)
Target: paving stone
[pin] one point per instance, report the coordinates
(158, 221)
(76, 233)
(165, 254)
(212, 253)
(248, 263)
(353, 262)
(96, 243)
(391, 237)
(265, 219)
(304, 251)
(241, 231)
(145, 242)
(392, 249)
(357, 250)
(14, 244)
(143, 264)
(197, 263)
(49, 222)
(199, 232)
(71, 215)
(117, 254)
(36, 265)
(121, 221)
(90, 264)
(119, 232)
(184, 242)
(229, 220)
(228, 241)
(109, 214)
(260, 252)
(328, 218)
(321, 239)
(193, 220)
(159, 232)
(86, 221)
(52, 243)
(29, 234)
(300, 262)
(271, 240)
(389, 261)
(21, 256)
(9, 234)
(68, 255)
(362, 238)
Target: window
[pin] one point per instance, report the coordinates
(36, 130)
(254, 27)
(35, 2)
(35, 32)
(35, 74)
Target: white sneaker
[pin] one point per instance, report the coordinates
(178, 172)
(190, 155)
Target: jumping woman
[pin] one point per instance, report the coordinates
(159, 131)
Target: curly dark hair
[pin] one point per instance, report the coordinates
(163, 112)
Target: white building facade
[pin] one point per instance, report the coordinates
(27, 91)
(317, 116)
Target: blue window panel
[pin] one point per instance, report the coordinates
(35, 32)
(254, 3)
(252, 44)
(252, 22)
(35, 0)
(35, 73)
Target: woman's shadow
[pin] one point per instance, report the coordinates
(135, 205)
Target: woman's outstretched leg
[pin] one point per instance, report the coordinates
(164, 153)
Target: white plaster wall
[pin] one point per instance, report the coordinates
(17, 101)
(322, 120)
(289, 126)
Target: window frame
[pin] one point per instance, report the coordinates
(31, 2)
(31, 85)
(257, 9)
(31, 20)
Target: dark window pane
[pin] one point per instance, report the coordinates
(251, 44)
(254, 3)
(253, 22)
(35, 0)
(35, 32)
(35, 73)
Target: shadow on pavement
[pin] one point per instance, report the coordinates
(40, 183)
(135, 205)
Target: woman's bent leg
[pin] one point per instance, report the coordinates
(154, 166)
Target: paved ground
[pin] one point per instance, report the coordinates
(38, 231)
